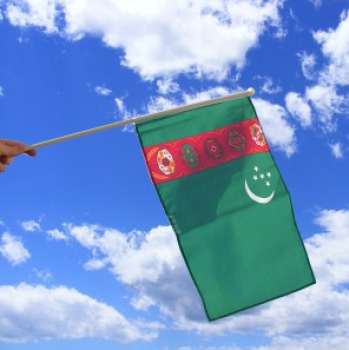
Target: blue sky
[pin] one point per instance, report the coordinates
(87, 257)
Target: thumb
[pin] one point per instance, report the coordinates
(11, 148)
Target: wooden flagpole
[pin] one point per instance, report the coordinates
(248, 92)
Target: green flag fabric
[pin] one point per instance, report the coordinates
(228, 205)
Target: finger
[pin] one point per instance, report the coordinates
(31, 152)
(6, 160)
(11, 148)
(2, 168)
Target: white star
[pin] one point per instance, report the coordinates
(256, 168)
(268, 174)
(255, 177)
(267, 183)
(262, 176)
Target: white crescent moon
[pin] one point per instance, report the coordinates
(254, 197)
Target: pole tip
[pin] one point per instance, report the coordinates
(251, 91)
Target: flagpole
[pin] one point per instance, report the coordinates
(236, 96)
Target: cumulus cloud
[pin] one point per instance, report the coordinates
(102, 90)
(335, 46)
(161, 103)
(327, 102)
(124, 113)
(160, 279)
(120, 105)
(208, 94)
(268, 86)
(329, 256)
(64, 314)
(57, 235)
(321, 310)
(95, 264)
(298, 108)
(316, 3)
(337, 150)
(308, 62)
(285, 343)
(324, 96)
(40, 13)
(218, 347)
(277, 128)
(158, 275)
(31, 226)
(155, 261)
(280, 133)
(13, 250)
(42, 275)
(202, 38)
(320, 103)
(312, 343)
(166, 86)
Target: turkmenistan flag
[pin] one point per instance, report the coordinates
(227, 204)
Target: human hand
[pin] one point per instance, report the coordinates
(10, 149)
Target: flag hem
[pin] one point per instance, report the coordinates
(211, 319)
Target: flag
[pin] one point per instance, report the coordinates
(228, 205)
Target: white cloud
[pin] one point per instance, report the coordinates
(159, 104)
(316, 3)
(327, 103)
(268, 86)
(217, 347)
(44, 276)
(279, 132)
(57, 235)
(166, 86)
(31, 226)
(151, 264)
(40, 13)
(1, 91)
(144, 250)
(308, 63)
(311, 343)
(102, 90)
(325, 95)
(298, 108)
(162, 103)
(337, 150)
(13, 250)
(64, 314)
(335, 46)
(158, 275)
(323, 309)
(120, 105)
(95, 264)
(163, 38)
(329, 256)
(208, 94)
(125, 114)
